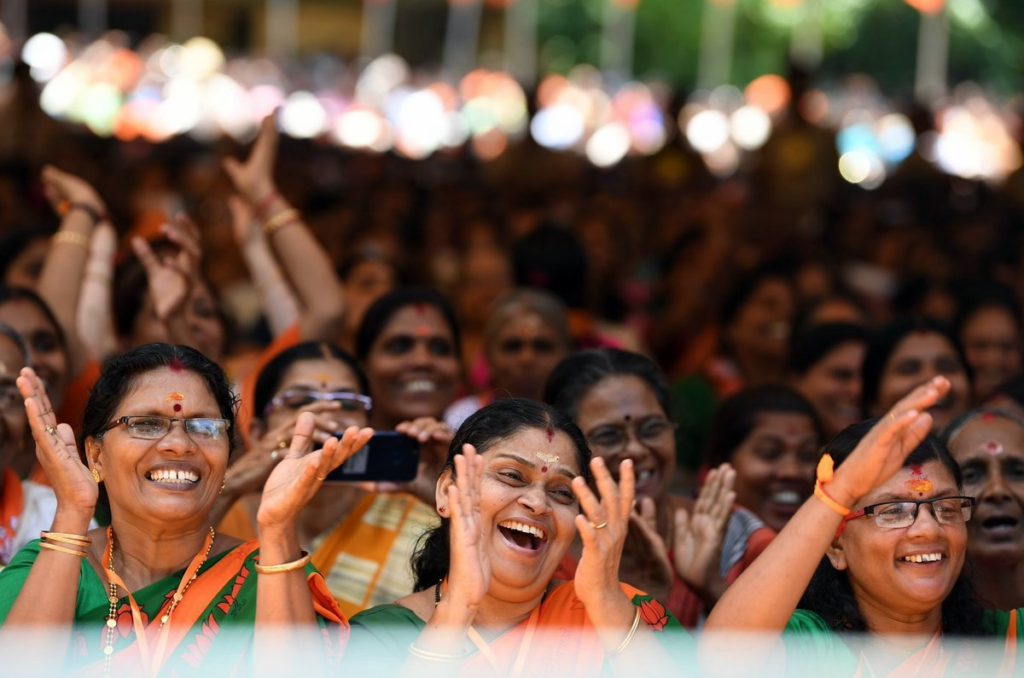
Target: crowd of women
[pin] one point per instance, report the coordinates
(585, 499)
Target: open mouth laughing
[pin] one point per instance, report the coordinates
(523, 536)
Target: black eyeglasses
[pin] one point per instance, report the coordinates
(155, 427)
(899, 514)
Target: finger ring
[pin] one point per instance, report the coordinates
(274, 455)
(599, 526)
(52, 430)
(321, 477)
(281, 444)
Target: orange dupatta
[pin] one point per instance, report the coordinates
(199, 596)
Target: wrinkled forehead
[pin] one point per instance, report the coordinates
(988, 435)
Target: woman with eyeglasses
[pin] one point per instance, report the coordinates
(155, 591)
(311, 377)
(682, 552)
(879, 549)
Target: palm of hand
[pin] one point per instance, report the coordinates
(285, 493)
(170, 289)
(471, 565)
(696, 551)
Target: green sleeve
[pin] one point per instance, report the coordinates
(380, 638)
(811, 644)
(13, 577)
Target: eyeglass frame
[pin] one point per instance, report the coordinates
(871, 509)
(123, 421)
(321, 396)
(627, 427)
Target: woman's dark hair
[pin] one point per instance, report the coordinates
(573, 378)
(738, 416)
(19, 341)
(269, 379)
(810, 345)
(830, 594)
(884, 344)
(10, 294)
(380, 312)
(487, 427)
(1012, 389)
(121, 372)
(17, 241)
(982, 296)
(553, 259)
(748, 284)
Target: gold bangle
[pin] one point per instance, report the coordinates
(65, 538)
(71, 238)
(280, 220)
(435, 656)
(283, 567)
(61, 549)
(629, 636)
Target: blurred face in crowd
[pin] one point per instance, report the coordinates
(761, 326)
(486, 277)
(991, 341)
(522, 354)
(622, 419)
(833, 385)
(300, 385)
(367, 282)
(990, 451)
(412, 366)
(775, 466)
(47, 355)
(24, 269)
(203, 319)
(916, 359)
(13, 424)
(880, 561)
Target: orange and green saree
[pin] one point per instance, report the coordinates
(556, 640)
(220, 602)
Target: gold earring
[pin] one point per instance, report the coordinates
(223, 484)
(96, 476)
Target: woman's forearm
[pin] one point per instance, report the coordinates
(279, 303)
(309, 270)
(765, 596)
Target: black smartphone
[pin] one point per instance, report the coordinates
(388, 457)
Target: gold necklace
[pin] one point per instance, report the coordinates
(113, 579)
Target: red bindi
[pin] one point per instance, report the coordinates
(543, 469)
(916, 471)
(176, 365)
(550, 433)
(987, 417)
(421, 309)
(177, 407)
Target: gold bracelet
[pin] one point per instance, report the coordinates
(61, 549)
(280, 220)
(65, 538)
(283, 567)
(629, 636)
(71, 238)
(435, 656)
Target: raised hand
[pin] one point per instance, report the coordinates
(243, 222)
(697, 543)
(299, 475)
(62, 188)
(254, 179)
(882, 451)
(56, 449)
(603, 525)
(645, 558)
(469, 574)
(170, 277)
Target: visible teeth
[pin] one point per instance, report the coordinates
(787, 497)
(644, 476)
(923, 558)
(170, 475)
(420, 386)
(523, 527)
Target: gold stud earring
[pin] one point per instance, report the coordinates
(96, 476)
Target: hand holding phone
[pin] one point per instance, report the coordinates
(388, 457)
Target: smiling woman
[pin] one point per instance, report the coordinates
(510, 497)
(157, 434)
(879, 548)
